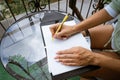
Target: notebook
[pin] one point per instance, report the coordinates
(52, 46)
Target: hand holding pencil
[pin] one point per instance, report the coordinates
(61, 31)
(61, 24)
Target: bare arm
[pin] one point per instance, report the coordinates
(78, 56)
(96, 19)
(107, 62)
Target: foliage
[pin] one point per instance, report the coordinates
(16, 7)
(107, 1)
(28, 70)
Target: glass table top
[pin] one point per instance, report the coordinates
(22, 49)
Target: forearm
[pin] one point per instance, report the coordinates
(107, 62)
(96, 19)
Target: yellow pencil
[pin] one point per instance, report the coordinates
(60, 26)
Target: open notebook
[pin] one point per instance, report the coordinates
(55, 45)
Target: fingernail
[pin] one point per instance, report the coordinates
(64, 38)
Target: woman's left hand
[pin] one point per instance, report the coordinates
(76, 56)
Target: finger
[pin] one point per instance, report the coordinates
(67, 51)
(53, 28)
(52, 31)
(65, 60)
(68, 61)
(70, 64)
(74, 63)
(66, 56)
(61, 35)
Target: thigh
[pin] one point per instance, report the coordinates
(104, 73)
(100, 35)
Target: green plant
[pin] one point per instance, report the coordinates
(107, 1)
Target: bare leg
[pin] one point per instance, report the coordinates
(100, 35)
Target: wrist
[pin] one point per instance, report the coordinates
(75, 29)
(96, 59)
(100, 59)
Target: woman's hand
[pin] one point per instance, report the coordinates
(76, 56)
(64, 33)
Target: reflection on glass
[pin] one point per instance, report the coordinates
(24, 70)
(22, 49)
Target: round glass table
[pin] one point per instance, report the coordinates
(22, 49)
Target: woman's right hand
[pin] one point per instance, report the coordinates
(64, 33)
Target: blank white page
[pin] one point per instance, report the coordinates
(56, 45)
